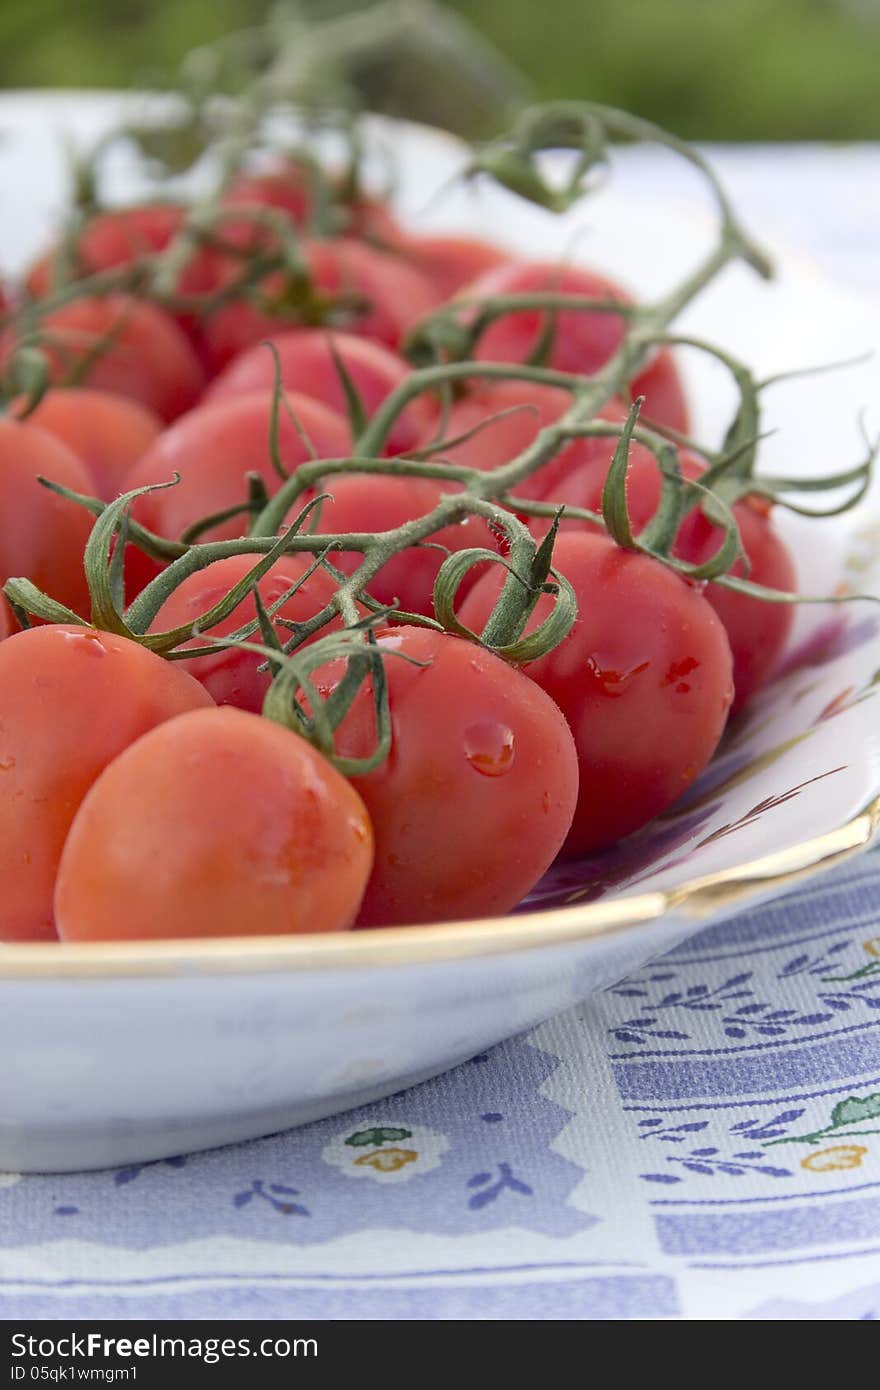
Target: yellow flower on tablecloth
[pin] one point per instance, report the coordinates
(388, 1160)
(872, 946)
(837, 1158)
(391, 1151)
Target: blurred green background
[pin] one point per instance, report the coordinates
(716, 69)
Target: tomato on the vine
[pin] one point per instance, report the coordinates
(307, 359)
(218, 823)
(579, 341)
(476, 796)
(42, 535)
(125, 345)
(213, 449)
(503, 418)
(108, 433)
(73, 699)
(644, 679)
(757, 629)
(384, 298)
(451, 262)
(360, 502)
(230, 675)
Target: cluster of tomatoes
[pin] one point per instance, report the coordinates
(142, 797)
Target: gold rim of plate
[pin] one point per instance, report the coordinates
(696, 900)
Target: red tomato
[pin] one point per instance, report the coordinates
(108, 433)
(73, 699)
(757, 630)
(394, 295)
(307, 366)
(582, 341)
(147, 356)
(374, 502)
(7, 621)
(233, 677)
(532, 408)
(644, 679)
(213, 449)
(114, 238)
(42, 536)
(219, 823)
(661, 385)
(477, 794)
(451, 261)
(286, 187)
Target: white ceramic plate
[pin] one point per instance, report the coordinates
(131, 1052)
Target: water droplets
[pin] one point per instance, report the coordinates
(489, 747)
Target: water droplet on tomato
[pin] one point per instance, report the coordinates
(609, 681)
(7, 763)
(489, 747)
(89, 643)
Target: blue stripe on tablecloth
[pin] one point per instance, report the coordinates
(751, 1201)
(606, 1297)
(744, 1233)
(762, 1100)
(740, 1071)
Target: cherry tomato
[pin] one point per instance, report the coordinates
(451, 261)
(108, 433)
(7, 621)
(147, 356)
(388, 298)
(114, 238)
(215, 447)
(73, 699)
(42, 536)
(234, 677)
(376, 502)
(306, 358)
(582, 341)
(219, 823)
(476, 796)
(530, 407)
(756, 629)
(665, 400)
(287, 187)
(644, 679)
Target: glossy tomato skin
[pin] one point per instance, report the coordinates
(394, 297)
(234, 677)
(213, 449)
(286, 186)
(582, 342)
(476, 796)
(148, 356)
(7, 621)
(758, 631)
(108, 433)
(306, 360)
(376, 502)
(219, 823)
(663, 389)
(644, 679)
(73, 699)
(42, 535)
(114, 238)
(451, 262)
(512, 413)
